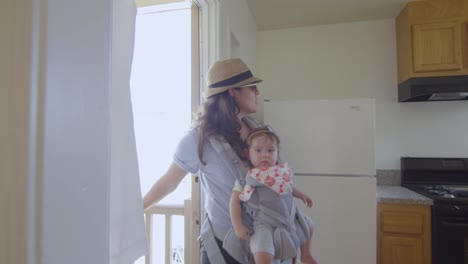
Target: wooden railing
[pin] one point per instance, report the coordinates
(190, 212)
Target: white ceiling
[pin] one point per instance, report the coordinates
(281, 14)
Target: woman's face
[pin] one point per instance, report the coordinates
(247, 98)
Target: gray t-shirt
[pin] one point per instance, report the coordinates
(216, 179)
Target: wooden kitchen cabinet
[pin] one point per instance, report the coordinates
(432, 39)
(403, 234)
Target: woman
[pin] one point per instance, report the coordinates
(231, 95)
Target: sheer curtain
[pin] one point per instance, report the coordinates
(127, 229)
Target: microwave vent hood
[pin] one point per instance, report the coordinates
(446, 88)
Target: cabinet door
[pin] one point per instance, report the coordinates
(402, 250)
(437, 46)
(404, 234)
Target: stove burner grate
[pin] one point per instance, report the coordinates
(445, 191)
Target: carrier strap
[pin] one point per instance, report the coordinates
(268, 214)
(252, 122)
(229, 156)
(211, 246)
(232, 162)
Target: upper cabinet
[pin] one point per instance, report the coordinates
(432, 39)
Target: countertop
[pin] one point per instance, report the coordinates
(398, 194)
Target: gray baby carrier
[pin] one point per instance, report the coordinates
(264, 206)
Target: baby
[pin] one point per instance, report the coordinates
(262, 151)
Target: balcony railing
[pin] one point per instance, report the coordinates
(191, 227)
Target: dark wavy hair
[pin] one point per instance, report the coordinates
(218, 117)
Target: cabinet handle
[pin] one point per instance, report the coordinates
(464, 40)
(454, 224)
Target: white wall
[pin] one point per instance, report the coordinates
(227, 31)
(359, 60)
(236, 20)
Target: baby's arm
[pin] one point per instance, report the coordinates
(236, 216)
(304, 197)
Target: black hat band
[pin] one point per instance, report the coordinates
(233, 80)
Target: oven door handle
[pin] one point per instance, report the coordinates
(445, 223)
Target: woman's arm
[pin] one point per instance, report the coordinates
(165, 185)
(236, 216)
(304, 197)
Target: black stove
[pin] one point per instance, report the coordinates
(445, 181)
(442, 194)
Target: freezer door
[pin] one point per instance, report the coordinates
(325, 136)
(345, 215)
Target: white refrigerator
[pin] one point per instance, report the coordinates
(330, 145)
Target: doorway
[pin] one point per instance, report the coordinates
(164, 95)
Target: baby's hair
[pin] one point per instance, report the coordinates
(262, 131)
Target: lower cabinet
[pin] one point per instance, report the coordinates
(403, 234)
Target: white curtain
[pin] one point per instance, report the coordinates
(127, 228)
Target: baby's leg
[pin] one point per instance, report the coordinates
(263, 258)
(306, 255)
(261, 244)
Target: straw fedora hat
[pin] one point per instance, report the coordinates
(226, 74)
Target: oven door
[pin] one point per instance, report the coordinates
(450, 240)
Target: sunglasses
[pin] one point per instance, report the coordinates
(252, 87)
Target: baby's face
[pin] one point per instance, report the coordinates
(263, 152)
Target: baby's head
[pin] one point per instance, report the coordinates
(262, 147)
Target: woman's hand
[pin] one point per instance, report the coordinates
(165, 185)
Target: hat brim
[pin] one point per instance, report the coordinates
(212, 91)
